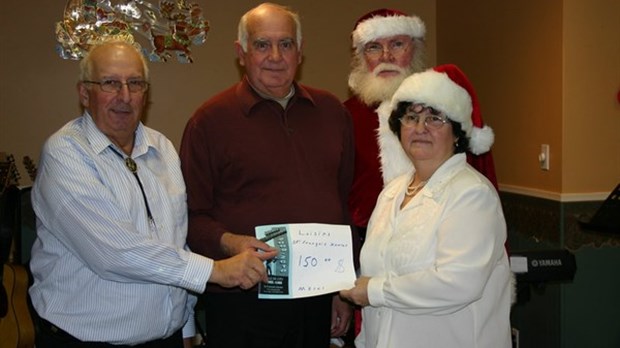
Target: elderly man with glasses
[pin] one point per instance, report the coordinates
(388, 46)
(110, 263)
(267, 150)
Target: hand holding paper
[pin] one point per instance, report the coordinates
(314, 259)
(359, 293)
(243, 270)
(234, 244)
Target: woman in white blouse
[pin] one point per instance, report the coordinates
(434, 270)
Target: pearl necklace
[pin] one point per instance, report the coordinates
(412, 190)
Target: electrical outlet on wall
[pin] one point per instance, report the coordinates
(543, 157)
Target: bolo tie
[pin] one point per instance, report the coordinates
(133, 168)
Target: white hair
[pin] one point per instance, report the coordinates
(242, 31)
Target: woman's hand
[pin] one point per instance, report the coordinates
(359, 293)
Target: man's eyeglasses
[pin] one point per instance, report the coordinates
(395, 48)
(263, 45)
(115, 86)
(431, 117)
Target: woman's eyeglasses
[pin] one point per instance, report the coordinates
(429, 116)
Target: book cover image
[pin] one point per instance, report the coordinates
(278, 267)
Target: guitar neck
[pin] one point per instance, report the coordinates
(31, 168)
(9, 175)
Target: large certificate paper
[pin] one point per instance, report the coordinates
(314, 259)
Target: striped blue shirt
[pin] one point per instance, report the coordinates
(101, 271)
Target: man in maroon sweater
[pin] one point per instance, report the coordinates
(267, 150)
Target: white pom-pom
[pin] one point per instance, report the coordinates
(481, 140)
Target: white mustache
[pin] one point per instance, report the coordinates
(387, 67)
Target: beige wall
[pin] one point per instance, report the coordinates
(37, 88)
(546, 72)
(591, 127)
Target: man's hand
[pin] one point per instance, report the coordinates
(341, 317)
(233, 244)
(359, 293)
(244, 270)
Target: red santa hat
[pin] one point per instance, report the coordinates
(447, 89)
(384, 23)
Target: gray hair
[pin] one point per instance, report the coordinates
(86, 64)
(242, 33)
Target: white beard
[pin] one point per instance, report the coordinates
(370, 87)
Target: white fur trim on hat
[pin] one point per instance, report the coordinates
(437, 90)
(379, 27)
(393, 159)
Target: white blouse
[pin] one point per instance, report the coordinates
(439, 271)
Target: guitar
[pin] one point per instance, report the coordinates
(6, 170)
(16, 327)
(31, 168)
(9, 175)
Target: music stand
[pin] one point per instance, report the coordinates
(607, 217)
